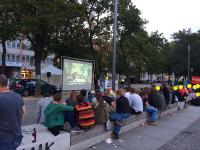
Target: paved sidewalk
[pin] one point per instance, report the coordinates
(153, 137)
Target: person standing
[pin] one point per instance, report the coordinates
(12, 111)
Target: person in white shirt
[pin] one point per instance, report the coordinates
(128, 93)
(41, 106)
(135, 102)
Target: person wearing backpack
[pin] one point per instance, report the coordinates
(84, 113)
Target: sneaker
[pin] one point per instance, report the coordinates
(115, 136)
(153, 123)
(67, 126)
(77, 129)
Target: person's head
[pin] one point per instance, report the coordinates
(99, 98)
(57, 97)
(132, 90)
(106, 92)
(127, 89)
(47, 94)
(73, 95)
(83, 92)
(120, 92)
(3, 81)
(80, 98)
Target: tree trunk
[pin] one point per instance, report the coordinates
(127, 65)
(96, 69)
(39, 47)
(3, 67)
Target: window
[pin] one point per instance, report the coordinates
(27, 58)
(8, 57)
(12, 57)
(13, 44)
(8, 45)
(23, 58)
(18, 59)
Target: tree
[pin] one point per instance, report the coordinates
(97, 14)
(130, 32)
(179, 52)
(8, 27)
(40, 21)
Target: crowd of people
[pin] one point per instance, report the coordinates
(83, 110)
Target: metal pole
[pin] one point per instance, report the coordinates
(114, 47)
(188, 63)
(20, 57)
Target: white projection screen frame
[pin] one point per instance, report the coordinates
(77, 74)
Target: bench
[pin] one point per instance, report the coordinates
(45, 140)
(79, 141)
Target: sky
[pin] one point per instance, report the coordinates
(169, 16)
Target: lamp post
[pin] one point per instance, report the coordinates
(114, 46)
(189, 63)
(20, 57)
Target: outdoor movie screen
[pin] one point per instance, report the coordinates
(77, 74)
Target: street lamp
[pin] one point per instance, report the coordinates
(114, 46)
(189, 63)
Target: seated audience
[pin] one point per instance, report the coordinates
(148, 108)
(166, 92)
(128, 92)
(69, 116)
(107, 98)
(101, 110)
(84, 113)
(154, 99)
(84, 94)
(54, 119)
(135, 102)
(41, 106)
(121, 114)
(71, 101)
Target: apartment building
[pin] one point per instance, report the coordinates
(15, 67)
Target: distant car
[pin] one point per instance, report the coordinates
(26, 87)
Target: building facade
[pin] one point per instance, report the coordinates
(25, 68)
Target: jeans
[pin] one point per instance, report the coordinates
(10, 144)
(70, 117)
(152, 111)
(118, 117)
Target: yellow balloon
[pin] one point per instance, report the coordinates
(189, 86)
(175, 88)
(158, 88)
(180, 87)
(198, 86)
(198, 94)
(194, 87)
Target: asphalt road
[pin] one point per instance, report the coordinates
(30, 108)
(188, 139)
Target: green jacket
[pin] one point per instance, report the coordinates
(54, 114)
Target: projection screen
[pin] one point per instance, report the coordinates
(77, 74)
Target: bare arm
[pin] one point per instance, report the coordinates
(24, 113)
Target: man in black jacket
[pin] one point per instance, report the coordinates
(121, 114)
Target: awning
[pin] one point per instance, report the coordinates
(52, 69)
